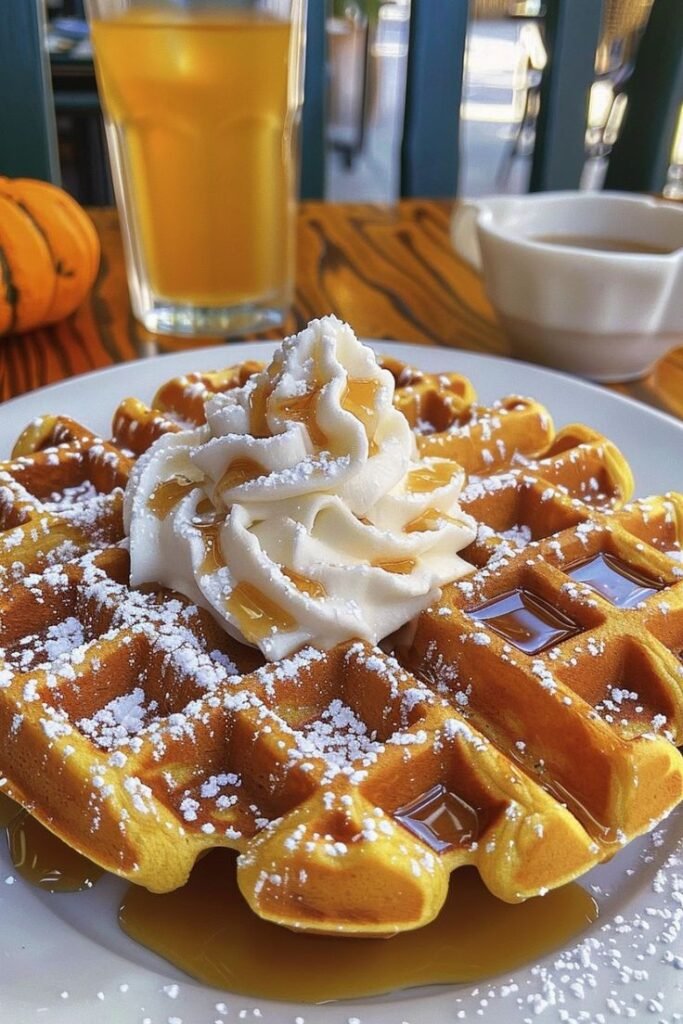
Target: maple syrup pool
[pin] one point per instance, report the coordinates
(207, 929)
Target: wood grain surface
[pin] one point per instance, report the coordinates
(389, 270)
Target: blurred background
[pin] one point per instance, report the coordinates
(367, 47)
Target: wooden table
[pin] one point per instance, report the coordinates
(389, 270)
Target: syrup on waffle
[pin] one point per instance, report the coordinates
(352, 784)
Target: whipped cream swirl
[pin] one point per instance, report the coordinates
(301, 512)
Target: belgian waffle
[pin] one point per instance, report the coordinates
(353, 781)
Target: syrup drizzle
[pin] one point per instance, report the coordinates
(440, 818)
(213, 556)
(256, 615)
(241, 471)
(475, 936)
(398, 565)
(614, 579)
(303, 409)
(8, 810)
(44, 860)
(431, 476)
(526, 621)
(304, 583)
(258, 407)
(205, 509)
(208, 522)
(430, 519)
(359, 399)
(168, 494)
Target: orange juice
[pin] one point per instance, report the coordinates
(201, 128)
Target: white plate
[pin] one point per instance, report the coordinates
(59, 955)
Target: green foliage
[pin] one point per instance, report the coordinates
(368, 8)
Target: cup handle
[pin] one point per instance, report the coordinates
(464, 235)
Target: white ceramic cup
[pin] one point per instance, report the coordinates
(606, 315)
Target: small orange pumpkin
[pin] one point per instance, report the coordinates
(49, 254)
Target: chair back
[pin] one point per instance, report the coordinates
(572, 30)
(642, 153)
(28, 133)
(430, 148)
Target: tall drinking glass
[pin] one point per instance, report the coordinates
(202, 102)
